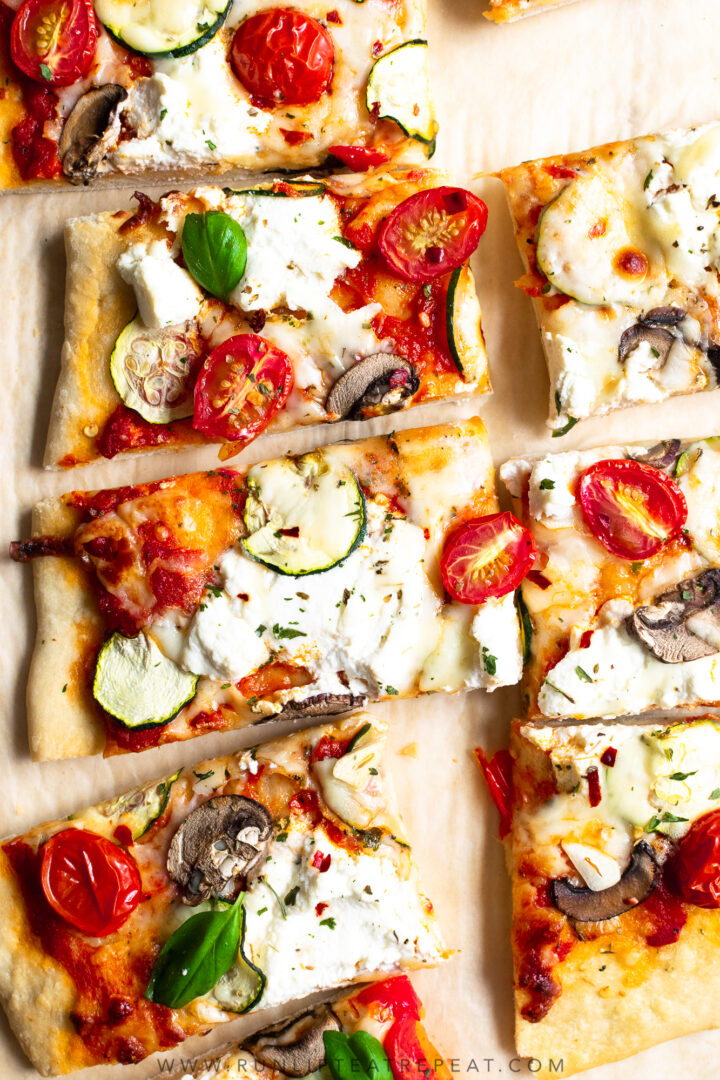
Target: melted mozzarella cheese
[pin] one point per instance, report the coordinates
(165, 293)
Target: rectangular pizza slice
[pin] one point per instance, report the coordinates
(242, 883)
(105, 89)
(613, 853)
(374, 1032)
(320, 301)
(504, 11)
(620, 243)
(310, 585)
(622, 607)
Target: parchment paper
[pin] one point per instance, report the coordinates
(594, 71)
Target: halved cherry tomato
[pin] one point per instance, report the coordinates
(432, 232)
(53, 41)
(89, 881)
(694, 871)
(283, 57)
(486, 557)
(359, 158)
(390, 999)
(243, 383)
(411, 1054)
(631, 508)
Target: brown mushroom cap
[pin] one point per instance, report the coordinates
(384, 379)
(661, 455)
(584, 905)
(218, 846)
(663, 627)
(323, 705)
(296, 1048)
(90, 131)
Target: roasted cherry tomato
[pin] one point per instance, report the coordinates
(89, 881)
(283, 57)
(631, 508)
(390, 999)
(243, 383)
(485, 557)
(359, 158)
(53, 41)
(432, 232)
(694, 871)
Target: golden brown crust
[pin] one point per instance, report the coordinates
(503, 11)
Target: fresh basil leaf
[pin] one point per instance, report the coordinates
(197, 956)
(340, 1059)
(371, 1055)
(215, 251)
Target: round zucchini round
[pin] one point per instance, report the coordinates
(152, 371)
(139, 685)
(387, 91)
(152, 29)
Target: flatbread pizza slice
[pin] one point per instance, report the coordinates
(622, 608)
(620, 248)
(102, 90)
(376, 1031)
(613, 835)
(238, 884)
(310, 585)
(505, 11)
(216, 314)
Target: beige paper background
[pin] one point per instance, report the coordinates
(594, 71)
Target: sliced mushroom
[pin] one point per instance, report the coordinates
(296, 1048)
(659, 340)
(324, 705)
(663, 316)
(661, 455)
(682, 623)
(580, 903)
(90, 131)
(218, 846)
(380, 379)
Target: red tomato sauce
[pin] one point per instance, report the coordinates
(126, 430)
(109, 997)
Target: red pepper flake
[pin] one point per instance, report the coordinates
(123, 836)
(594, 790)
(321, 862)
(306, 802)
(320, 907)
(499, 779)
(538, 579)
(377, 48)
(586, 638)
(294, 138)
(608, 757)
(333, 17)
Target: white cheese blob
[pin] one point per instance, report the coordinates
(191, 111)
(295, 251)
(166, 293)
(597, 869)
(373, 920)
(478, 647)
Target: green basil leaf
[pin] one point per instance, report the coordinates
(215, 251)
(340, 1059)
(371, 1055)
(197, 956)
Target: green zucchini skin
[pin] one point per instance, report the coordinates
(110, 697)
(425, 134)
(181, 50)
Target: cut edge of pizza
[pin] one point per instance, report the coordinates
(612, 833)
(204, 886)
(621, 608)
(506, 11)
(287, 304)
(623, 290)
(388, 1014)
(209, 601)
(131, 96)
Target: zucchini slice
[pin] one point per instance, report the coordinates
(240, 988)
(584, 246)
(162, 28)
(398, 88)
(303, 515)
(464, 324)
(137, 684)
(153, 371)
(141, 808)
(291, 189)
